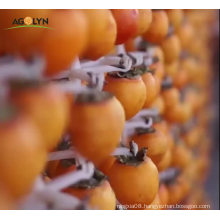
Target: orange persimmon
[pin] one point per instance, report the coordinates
(127, 21)
(158, 28)
(121, 87)
(23, 154)
(138, 173)
(102, 32)
(37, 99)
(96, 124)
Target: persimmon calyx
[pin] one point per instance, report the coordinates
(145, 130)
(133, 124)
(135, 159)
(96, 180)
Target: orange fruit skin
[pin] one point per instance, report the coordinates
(127, 21)
(158, 103)
(158, 52)
(130, 45)
(163, 195)
(21, 41)
(192, 137)
(102, 32)
(158, 68)
(181, 78)
(158, 28)
(171, 97)
(180, 113)
(156, 143)
(36, 102)
(23, 155)
(143, 178)
(181, 156)
(185, 33)
(171, 69)
(151, 83)
(106, 165)
(122, 87)
(178, 190)
(144, 20)
(171, 47)
(6, 200)
(96, 128)
(155, 205)
(68, 36)
(162, 126)
(101, 197)
(175, 17)
(165, 162)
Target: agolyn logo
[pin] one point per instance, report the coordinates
(28, 22)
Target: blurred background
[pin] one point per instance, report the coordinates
(212, 184)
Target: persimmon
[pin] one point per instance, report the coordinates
(192, 137)
(181, 78)
(151, 83)
(181, 156)
(96, 124)
(98, 191)
(171, 97)
(121, 87)
(6, 200)
(175, 17)
(21, 40)
(154, 140)
(171, 69)
(191, 171)
(158, 103)
(175, 193)
(36, 99)
(163, 195)
(191, 65)
(178, 190)
(180, 113)
(195, 98)
(158, 52)
(185, 184)
(196, 197)
(161, 124)
(139, 173)
(171, 48)
(185, 33)
(130, 45)
(102, 32)
(202, 168)
(106, 165)
(22, 150)
(1, 47)
(170, 140)
(127, 21)
(165, 161)
(199, 17)
(158, 28)
(144, 20)
(155, 205)
(68, 36)
(158, 68)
